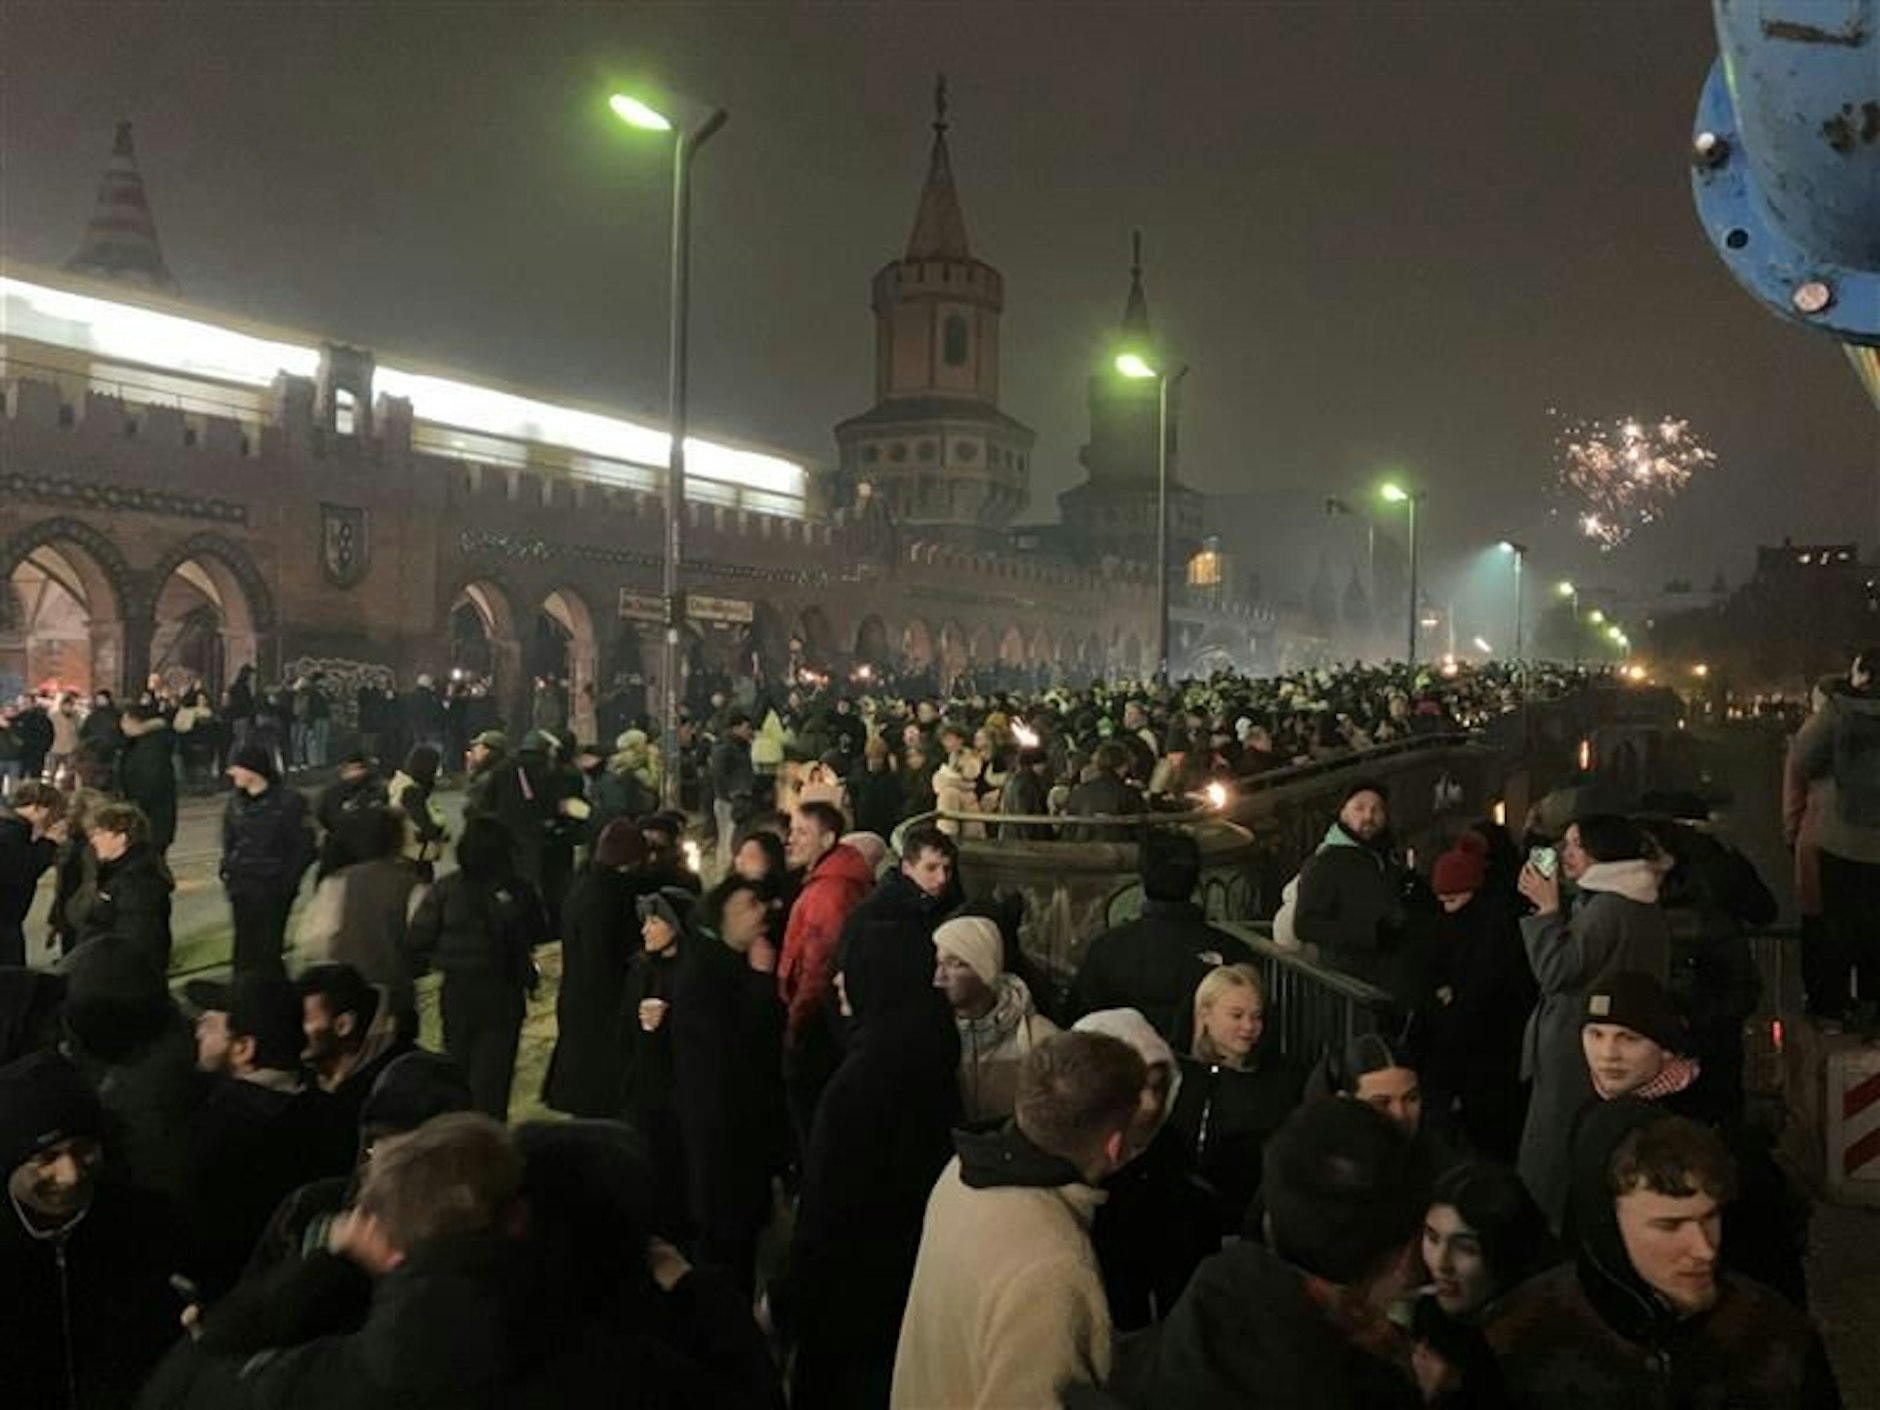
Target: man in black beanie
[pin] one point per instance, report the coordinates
(85, 1307)
(1301, 1319)
(267, 846)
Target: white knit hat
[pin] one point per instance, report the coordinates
(975, 942)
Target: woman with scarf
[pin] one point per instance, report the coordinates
(997, 1020)
(1610, 923)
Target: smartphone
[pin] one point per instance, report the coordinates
(1544, 860)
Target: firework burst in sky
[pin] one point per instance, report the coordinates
(1619, 476)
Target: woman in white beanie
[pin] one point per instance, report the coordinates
(997, 1019)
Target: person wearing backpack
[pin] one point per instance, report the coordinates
(479, 926)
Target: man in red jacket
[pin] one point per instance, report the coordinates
(835, 878)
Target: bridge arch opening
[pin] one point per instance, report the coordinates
(206, 625)
(62, 618)
(563, 652)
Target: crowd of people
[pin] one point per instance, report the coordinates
(832, 1140)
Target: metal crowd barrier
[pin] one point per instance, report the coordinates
(1312, 1008)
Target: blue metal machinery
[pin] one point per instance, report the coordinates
(1785, 164)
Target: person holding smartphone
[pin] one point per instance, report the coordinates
(1611, 922)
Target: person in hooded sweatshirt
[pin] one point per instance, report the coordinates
(1158, 1219)
(85, 1305)
(1300, 1321)
(998, 1022)
(1356, 898)
(1007, 1306)
(1647, 1313)
(1236, 1090)
(883, 1131)
(1612, 923)
(600, 936)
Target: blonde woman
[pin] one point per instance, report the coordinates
(1236, 1088)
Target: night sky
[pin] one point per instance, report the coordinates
(1387, 234)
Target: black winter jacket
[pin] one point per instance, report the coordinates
(1152, 964)
(23, 860)
(1247, 1332)
(1354, 904)
(476, 928)
(106, 1282)
(267, 844)
(126, 905)
(465, 1323)
(1224, 1116)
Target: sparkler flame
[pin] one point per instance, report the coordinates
(1625, 473)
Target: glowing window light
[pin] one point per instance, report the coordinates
(109, 329)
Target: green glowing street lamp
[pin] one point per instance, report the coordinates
(1138, 368)
(1394, 493)
(697, 122)
(1596, 617)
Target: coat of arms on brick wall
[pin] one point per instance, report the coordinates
(345, 544)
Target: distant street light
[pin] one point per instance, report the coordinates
(1571, 590)
(1393, 493)
(1518, 552)
(1138, 368)
(1596, 617)
(697, 123)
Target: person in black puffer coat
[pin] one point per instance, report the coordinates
(882, 1134)
(29, 845)
(267, 846)
(1236, 1090)
(125, 905)
(479, 926)
(1356, 899)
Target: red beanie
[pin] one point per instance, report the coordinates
(1458, 871)
(1474, 843)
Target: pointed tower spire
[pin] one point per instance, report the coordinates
(121, 241)
(939, 227)
(1136, 308)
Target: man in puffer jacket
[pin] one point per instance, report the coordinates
(1355, 898)
(998, 1022)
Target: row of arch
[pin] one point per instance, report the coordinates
(74, 613)
(555, 632)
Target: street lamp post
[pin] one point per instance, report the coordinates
(1572, 592)
(1519, 552)
(1134, 365)
(1397, 494)
(688, 137)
